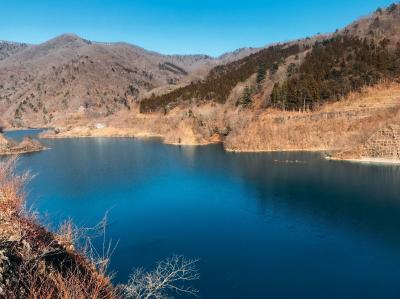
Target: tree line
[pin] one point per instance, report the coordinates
(334, 68)
(222, 79)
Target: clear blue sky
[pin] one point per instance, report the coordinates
(179, 26)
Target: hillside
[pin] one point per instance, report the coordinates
(9, 48)
(312, 71)
(222, 79)
(383, 23)
(68, 74)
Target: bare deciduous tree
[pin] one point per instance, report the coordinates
(169, 277)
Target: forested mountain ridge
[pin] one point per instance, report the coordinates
(362, 54)
(222, 79)
(333, 69)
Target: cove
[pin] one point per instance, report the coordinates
(263, 225)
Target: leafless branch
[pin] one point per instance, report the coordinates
(170, 276)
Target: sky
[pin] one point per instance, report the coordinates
(209, 27)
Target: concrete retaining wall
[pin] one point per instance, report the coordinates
(385, 143)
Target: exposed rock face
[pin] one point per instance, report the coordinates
(385, 143)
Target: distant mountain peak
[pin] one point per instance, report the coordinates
(69, 38)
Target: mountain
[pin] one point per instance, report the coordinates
(383, 23)
(71, 74)
(10, 48)
(363, 54)
(302, 74)
(221, 80)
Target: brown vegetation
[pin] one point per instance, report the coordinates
(337, 126)
(340, 126)
(222, 79)
(34, 262)
(41, 83)
(334, 68)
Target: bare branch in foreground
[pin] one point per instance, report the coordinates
(169, 276)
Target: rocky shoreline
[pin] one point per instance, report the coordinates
(112, 132)
(364, 154)
(354, 155)
(27, 145)
(344, 130)
(367, 160)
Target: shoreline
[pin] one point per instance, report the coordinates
(278, 150)
(365, 160)
(119, 133)
(23, 129)
(127, 133)
(10, 153)
(124, 133)
(140, 136)
(8, 146)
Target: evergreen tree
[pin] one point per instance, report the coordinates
(392, 7)
(274, 68)
(261, 73)
(292, 69)
(246, 99)
(334, 68)
(222, 79)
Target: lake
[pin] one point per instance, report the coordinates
(263, 225)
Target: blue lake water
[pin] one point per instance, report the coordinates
(262, 228)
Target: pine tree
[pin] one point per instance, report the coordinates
(261, 73)
(275, 93)
(246, 99)
(392, 7)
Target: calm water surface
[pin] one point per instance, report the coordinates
(262, 228)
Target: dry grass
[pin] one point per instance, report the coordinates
(334, 126)
(341, 125)
(11, 187)
(36, 263)
(70, 284)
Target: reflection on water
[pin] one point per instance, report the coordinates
(19, 135)
(263, 227)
